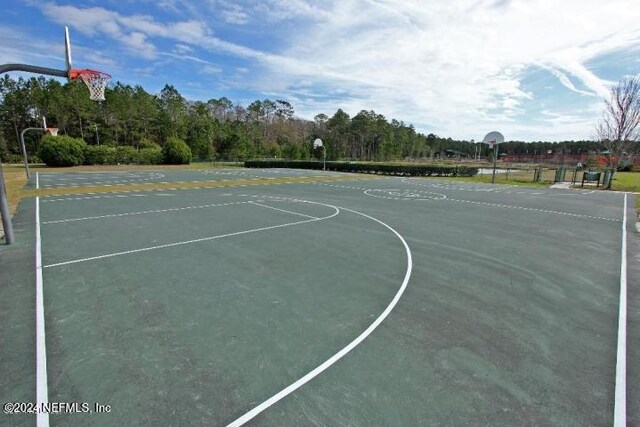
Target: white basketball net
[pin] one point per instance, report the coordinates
(96, 83)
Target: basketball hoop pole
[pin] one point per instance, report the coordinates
(495, 155)
(24, 149)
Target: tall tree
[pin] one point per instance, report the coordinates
(619, 128)
(173, 110)
(202, 130)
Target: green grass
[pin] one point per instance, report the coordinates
(518, 178)
(628, 181)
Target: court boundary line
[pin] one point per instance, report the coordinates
(186, 242)
(133, 213)
(522, 208)
(620, 404)
(248, 416)
(281, 210)
(42, 391)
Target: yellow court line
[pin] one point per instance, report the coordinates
(180, 185)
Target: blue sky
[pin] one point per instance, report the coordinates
(531, 69)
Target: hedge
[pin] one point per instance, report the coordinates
(373, 168)
(61, 150)
(123, 155)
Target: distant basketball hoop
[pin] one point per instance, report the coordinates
(52, 131)
(493, 139)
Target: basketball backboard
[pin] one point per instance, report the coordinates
(493, 138)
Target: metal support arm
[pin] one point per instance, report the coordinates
(5, 68)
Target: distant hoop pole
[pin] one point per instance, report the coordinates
(318, 143)
(24, 149)
(493, 139)
(495, 159)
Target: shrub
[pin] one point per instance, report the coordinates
(373, 168)
(61, 150)
(147, 143)
(126, 155)
(99, 155)
(150, 156)
(176, 152)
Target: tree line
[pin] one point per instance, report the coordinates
(221, 129)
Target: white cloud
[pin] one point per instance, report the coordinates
(459, 70)
(211, 69)
(182, 48)
(566, 82)
(454, 67)
(235, 15)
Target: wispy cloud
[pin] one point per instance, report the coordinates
(564, 80)
(452, 67)
(211, 69)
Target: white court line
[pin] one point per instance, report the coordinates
(59, 221)
(37, 181)
(42, 397)
(282, 210)
(116, 196)
(522, 208)
(187, 242)
(339, 355)
(620, 406)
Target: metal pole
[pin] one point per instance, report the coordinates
(5, 68)
(24, 149)
(324, 158)
(4, 211)
(24, 153)
(495, 154)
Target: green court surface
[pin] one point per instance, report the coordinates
(387, 301)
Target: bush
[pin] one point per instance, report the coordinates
(99, 155)
(122, 155)
(126, 155)
(61, 150)
(176, 152)
(150, 156)
(147, 143)
(373, 168)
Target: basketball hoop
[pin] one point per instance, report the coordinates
(52, 131)
(96, 82)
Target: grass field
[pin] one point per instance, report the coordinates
(627, 181)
